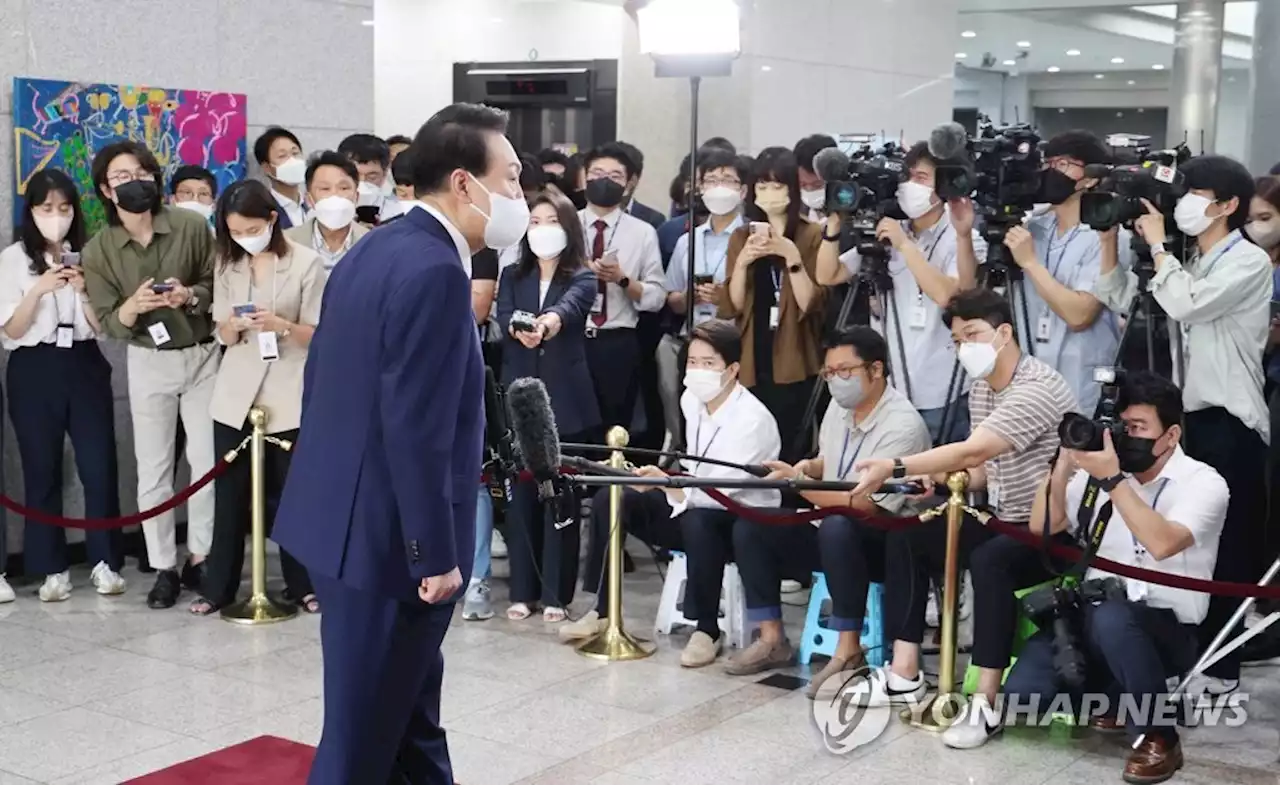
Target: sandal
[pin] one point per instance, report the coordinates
(202, 607)
(519, 611)
(309, 604)
(554, 615)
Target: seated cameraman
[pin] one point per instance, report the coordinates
(867, 417)
(1221, 304)
(1015, 405)
(1069, 329)
(923, 269)
(1168, 515)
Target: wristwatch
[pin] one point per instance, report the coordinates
(830, 238)
(624, 282)
(899, 469)
(795, 268)
(1109, 484)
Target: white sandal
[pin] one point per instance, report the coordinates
(554, 615)
(519, 611)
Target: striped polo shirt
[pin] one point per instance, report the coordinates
(1026, 414)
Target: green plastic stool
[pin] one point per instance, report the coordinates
(1021, 634)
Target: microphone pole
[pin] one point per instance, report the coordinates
(755, 470)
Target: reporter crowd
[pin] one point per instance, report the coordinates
(798, 353)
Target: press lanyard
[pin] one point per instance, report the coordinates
(1221, 254)
(1048, 251)
(776, 274)
(697, 439)
(929, 260)
(841, 465)
(703, 257)
(1138, 550)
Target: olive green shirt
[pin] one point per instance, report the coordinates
(115, 265)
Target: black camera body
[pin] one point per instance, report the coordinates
(1060, 609)
(868, 195)
(523, 322)
(1078, 432)
(1117, 200)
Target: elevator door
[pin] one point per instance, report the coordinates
(534, 128)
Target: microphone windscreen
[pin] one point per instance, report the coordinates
(534, 425)
(831, 165)
(948, 140)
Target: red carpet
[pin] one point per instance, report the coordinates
(265, 760)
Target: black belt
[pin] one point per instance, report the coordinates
(595, 332)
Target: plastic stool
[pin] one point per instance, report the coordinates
(820, 639)
(733, 612)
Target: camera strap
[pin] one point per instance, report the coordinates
(1089, 533)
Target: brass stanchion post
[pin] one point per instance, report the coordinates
(259, 608)
(942, 711)
(614, 643)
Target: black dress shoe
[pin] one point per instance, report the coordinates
(164, 594)
(193, 576)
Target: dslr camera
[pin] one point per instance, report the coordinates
(1078, 432)
(1003, 178)
(1117, 199)
(869, 194)
(1060, 608)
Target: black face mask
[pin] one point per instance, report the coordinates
(137, 196)
(605, 193)
(1056, 187)
(1136, 454)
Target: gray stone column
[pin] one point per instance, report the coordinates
(1197, 74)
(1264, 104)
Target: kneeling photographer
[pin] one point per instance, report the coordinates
(1155, 508)
(1220, 303)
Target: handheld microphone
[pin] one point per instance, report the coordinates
(535, 431)
(948, 140)
(831, 165)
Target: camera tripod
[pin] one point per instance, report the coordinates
(1143, 306)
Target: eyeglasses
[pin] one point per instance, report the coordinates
(1063, 165)
(600, 174)
(844, 372)
(120, 177)
(716, 182)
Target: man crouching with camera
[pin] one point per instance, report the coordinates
(1122, 638)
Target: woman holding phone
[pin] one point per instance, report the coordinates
(543, 304)
(59, 386)
(266, 304)
(774, 297)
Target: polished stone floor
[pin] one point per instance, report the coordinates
(97, 690)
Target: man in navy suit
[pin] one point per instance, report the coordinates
(381, 499)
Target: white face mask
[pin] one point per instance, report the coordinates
(335, 212)
(704, 383)
(255, 244)
(547, 240)
(205, 211)
(292, 172)
(1264, 234)
(53, 228)
(722, 199)
(1191, 215)
(915, 199)
(815, 199)
(978, 359)
(508, 219)
(368, 195)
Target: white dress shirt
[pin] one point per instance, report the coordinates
(61, 307)
(464, 248)
(329, 258)
(930, 354)
(1222, 307)
(636, 244)
(292, 209)
(1186, 492)
(894, 429)
(712, 259)
(742, 431)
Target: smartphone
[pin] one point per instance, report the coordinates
(610, 257)
(368, 214)
(703, 280)
(246, 309)
(761, 229)
(162, 288)
(70, 258)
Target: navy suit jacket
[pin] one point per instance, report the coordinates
(561, 362)
(382, 487)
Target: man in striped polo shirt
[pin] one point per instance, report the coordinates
(1015, 406)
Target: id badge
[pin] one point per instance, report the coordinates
(268, 348)
(774, 313)
(66, 337)
(993, 495)
(1042, 329)
(597, 305)
(159, 333)
(919, 319)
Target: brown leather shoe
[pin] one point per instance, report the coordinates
(1154, 760)
(1106, 725)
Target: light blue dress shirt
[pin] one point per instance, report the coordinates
(713, 258)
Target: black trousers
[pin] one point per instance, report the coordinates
(648, 333)
(705, 535)
(232, 518)
(787, 404)
(1238, 454)
(542, 558)
(54, 393)
(1130, 650)
(613, 357)
(851, 554)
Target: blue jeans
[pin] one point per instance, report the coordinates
(957, 422)
(482, 566)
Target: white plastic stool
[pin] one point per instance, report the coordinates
(732, 615)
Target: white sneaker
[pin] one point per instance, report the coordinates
(790, 587)
(107, 581)
(56, 588)
(497, 546)
(963, 609)
(1212, 686)
(931, 617)
(884, 688)
(971, 729)
(6, 591)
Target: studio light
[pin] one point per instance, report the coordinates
(690, 37)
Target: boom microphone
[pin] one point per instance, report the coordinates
(948, 140)
(831, 165)
(535, 429)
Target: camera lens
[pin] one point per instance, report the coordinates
(1078, 432)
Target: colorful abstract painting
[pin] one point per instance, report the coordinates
(62, 124)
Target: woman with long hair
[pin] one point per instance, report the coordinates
(59, 386)
(551, 284)
(266, 304)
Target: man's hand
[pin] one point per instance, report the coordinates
(440, 588)
(1151, 225)
(1022, 246)
(871, 475)
(891, 230)
(962, 216)
(178, 296)
(708, 293)
(606, 271)
(779, 470)
(647, 471)
(145, 301)
(1101, 464)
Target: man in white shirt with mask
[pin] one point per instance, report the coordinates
(330, 228)
(279, 155)
(813, 189)
(923, 268)
(1221, 305)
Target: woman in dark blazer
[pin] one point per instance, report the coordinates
(552, 284)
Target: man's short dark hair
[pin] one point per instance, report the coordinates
(979, 304)
(102, 162)
(1226, 177)
(531, 176)
(366, 149)
(718, 143)
(402, 169)
(615, 151)
(398, 139)
(1275, 170)
(456, 137)
(192, 172)
(711, 160)
(809, 147)
(553, 156)
(1146, 388)
(919, 152)
(331, 158)
(637, 157)
(1084, 146)
(723, 336)
(868, 344)
(262, 145)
